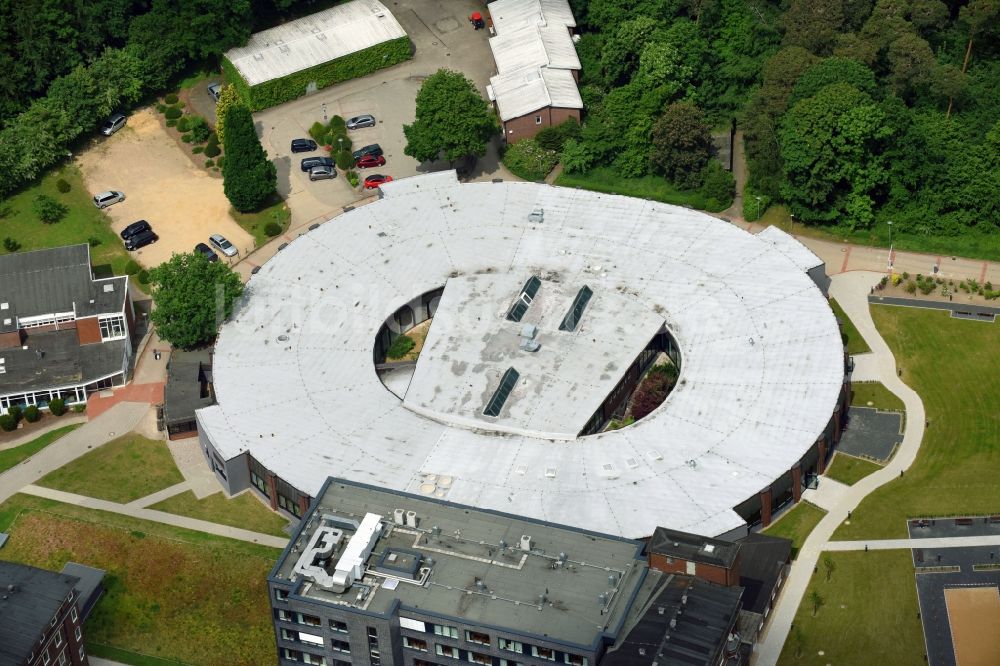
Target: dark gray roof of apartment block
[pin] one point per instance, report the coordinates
(63, 361)
(26, 611)
(692, 547)
(465, 574)
(183, 393)
(762, 557)
(90, 587)
(702, 614)
(58, 279)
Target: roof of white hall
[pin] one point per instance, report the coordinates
(314, 40)
(761, 372)
(509, 15)
(534, 47)
(521, 92)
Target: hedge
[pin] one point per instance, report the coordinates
(287, 88)
(527, 160)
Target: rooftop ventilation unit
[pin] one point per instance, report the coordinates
(537, 216)
(507, 383)
(528, 342)
(109, 287)
(524, 299)
(572, 318)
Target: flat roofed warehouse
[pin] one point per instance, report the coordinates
(756, 408)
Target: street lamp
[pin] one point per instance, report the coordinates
(890, 244)
(758, 208)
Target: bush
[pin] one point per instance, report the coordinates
(219, 161)
(209, 163)
(48, 209)
(353, 178)
(717, 185)
(7, 424)
(337, 140)
(751, 210)
(143, 277)
(80, 409)
(183, 123)
(63, 186)
(171, 122)
(653, 390)
(132, 267)
(173, 113)
(161, 108)
(272, 229)
(911, 287)
(554, 138)
(94, 241)
(170, 98)
(186, 138)
(200, 131)
(15, 412)
(197, 149)
(345, 160)
(213, 139)
(212, 149)
(31, 414)
(400, 347)
(250, 178)
(527, 160)
(57, 407)
(11, 245)
(338, 124)
(317, 131)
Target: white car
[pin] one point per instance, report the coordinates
(105, 199)
(113, 124)
(224, 246)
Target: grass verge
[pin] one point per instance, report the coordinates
(122, 470)
(127, 656)
(243, 511)
(849, 470)
(850, 335)
(607, 180)
(868, 598)
(953, 365)
(796, 524)
(876, 393)
(254, 223)
(171, 593)
(18, 454)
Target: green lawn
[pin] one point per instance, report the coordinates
(868, 616)
(122, 470)
(82, 224)
(954, 366)
(254, 223)
(172, 594)
(606, 179)
(876, 393)
(243, 511)
(796, 524)
(855, 343)
(11, 457)
(848, 469)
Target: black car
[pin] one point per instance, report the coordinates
(141, 239)
(310, 162)
(303, 145)
(135, 228)
(373, 149)
(205, 250)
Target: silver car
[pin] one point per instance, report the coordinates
(215, 90)
(357, 122)
(222, 245)
(322, 172)
(105, 199)
(113, 124)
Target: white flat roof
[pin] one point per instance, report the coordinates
(314, 40)
(510, 15)
(802, 256)
(521, 92)
(534, 47)
(762, 359)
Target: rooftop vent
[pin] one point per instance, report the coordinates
(572, 318)
(528, 342)
(4, 306)
(109, 287)
(507, 383)
(524, 299)
(258, 56)
(8, 322)
(709, 548)
(537, 216)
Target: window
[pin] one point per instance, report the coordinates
(280, 595)
(310, 620)
(538, 120)
(78, 634)
(446, 651)
(337, 625)
(508, 662)
(59, 637)
(112, 328)
(511, 646)
(543, 653)
(82, 653)
(372, 632)
(314, 659)
(572, 318)
(476, 637)
(340, 646)
(444, 630)
(63, 658)
(415, 644)
(310, 638)
(574, 659)
(477, 658)
(288, 635)
(72, 613)
(495, 404)
(285, 616)
(46, 659)
(524, 299)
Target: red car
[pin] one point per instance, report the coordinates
(368, 161)
(376, 179)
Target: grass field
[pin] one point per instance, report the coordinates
(243, 511)
(848, 469)
(11, 457)
(876, 393)
(954, 366)
(855, 343)
(171, 593)
(869, 614)
(796, 524)
(254, 223)
(122, 470)
(606, 179)
(82, 224)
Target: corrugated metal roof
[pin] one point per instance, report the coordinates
(511, 15)
(315, 39)
(524, 91)
(562, 88)
(534, 47)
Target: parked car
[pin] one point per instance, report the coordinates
(224, 246)
(373, 149)
(141, 239)
(376, 179)
(113, 124)
(368, 161)
(322, 172)
(303, 145)
(105, 199)
(135, 228)
(205, 250)
(215, 89)
(310, 162)
(357, 122)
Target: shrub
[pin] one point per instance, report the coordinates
(653, 391)
(186, 138)
(751, 210)
(272, 229)
(7, 424)
(400, 347)
(170, 98)
(212, 149)
(896, 279)
(219, 161)
(197, 149)
(173, 113)
(161, 108)
(48, 209)
(57, 407)
(353, 178)
(338, 124)
(143, 277)
(554, 138)
(250, 178)
(209, 163)
(15, 412)
(93, 241)
(906, 276)
(132, 267)
(63, 186)
(81, 408)
(527, 160)
(345, 160)
(911, 287)
(171, 122)
(717, 185)
(213, 139)
(31, 414)
(200, 131)
(180, 105)
(11, 245)
(183, 124)
(337, 140)
(317, 131)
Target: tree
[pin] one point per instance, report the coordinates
(452, 119)
(816, 600)
(813, 24)
(911, 64)
(193, 296)
(682, 144)
(249, 178)
(829, 565)
(48, 209)
(830, 71)
(978, 16)
(227, 98)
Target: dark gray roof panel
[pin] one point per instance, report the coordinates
(762, 559)
(693, 547)
(63, 361)
(184, 392)
(25, 613)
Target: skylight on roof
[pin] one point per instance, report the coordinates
(507, 383)
(524, 299)
(572, 318)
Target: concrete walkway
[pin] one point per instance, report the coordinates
(931, 542)
(851, 291)
(159, 496)
(157, 516)
(62, 422)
